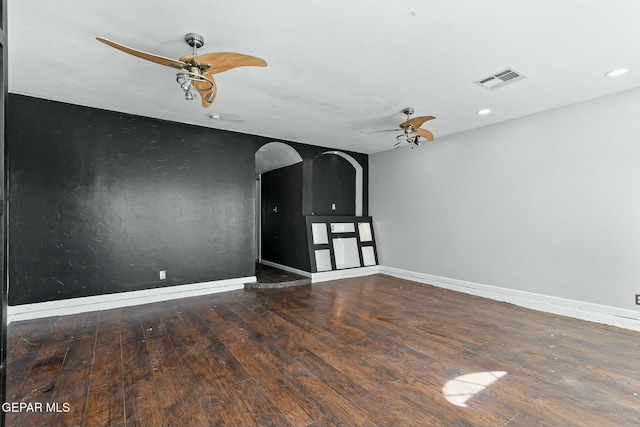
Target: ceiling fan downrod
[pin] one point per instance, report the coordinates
(186, 79)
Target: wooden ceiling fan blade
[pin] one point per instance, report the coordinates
(425, 134)
(144, 55)
(383, 130)
(222, 61)
(416, 122)
(208, 94)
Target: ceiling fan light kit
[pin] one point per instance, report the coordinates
(412, 129)
(193, 80)
(196, 71)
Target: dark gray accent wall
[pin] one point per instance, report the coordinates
(334, 184)
(284, 235)
(309, 154)
(100, 202)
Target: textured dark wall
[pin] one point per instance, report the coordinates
(100, 202)
(284, 234)
(310, 154)
(334, 183)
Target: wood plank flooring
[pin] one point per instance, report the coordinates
(371, 351)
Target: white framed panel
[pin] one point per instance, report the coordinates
(364, 228)
(343, 227)
(319, 231)
(323, 259)
(368, 256)
(346, 252)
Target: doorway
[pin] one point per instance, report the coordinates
(271, 156)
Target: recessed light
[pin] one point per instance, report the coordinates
(484, 111)
(215, 116)
(616, 73)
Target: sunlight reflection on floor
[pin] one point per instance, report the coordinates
(460, 389)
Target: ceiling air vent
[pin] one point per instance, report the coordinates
(501, 78)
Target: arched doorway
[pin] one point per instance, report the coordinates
(275, 155)
(271, 156)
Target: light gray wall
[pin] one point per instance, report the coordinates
(549, 203)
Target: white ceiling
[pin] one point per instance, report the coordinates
(336, 67)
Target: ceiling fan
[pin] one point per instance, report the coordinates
(196, 71)
(411, 130)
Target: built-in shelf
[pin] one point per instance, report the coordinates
(340, 242)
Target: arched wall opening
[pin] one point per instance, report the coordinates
(275, 155)
(278, 199)
(355, 184)
(293, 186)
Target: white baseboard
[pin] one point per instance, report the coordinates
(622, 318)
(285, 268)
(325, 276)
(122, 299)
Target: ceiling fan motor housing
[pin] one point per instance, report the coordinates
(194, 40)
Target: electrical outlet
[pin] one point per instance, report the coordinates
(163, 274)
(637, 299)
(333, 206)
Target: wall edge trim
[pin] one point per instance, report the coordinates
(65, 307)
(325, 276)
(608, 315)
(285, 268)
(347, 273)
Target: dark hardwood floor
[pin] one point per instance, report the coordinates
(367, 351)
